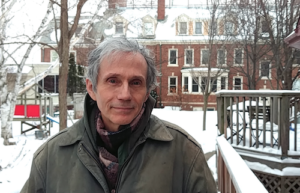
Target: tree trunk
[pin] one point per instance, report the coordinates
(205, 97)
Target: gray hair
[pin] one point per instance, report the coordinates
(112, 46)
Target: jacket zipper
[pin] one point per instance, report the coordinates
(126, 161)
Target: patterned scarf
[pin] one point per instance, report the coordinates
(111, 141)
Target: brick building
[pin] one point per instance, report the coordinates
(192, 51)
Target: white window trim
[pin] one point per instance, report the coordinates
(193, 61)
(202, 56)
(233, 26)
(233, 80)
(169, 93)
(242, 64)
(169, 64)
(144, 28)
(265, 77)
(187, 28)
(225, 55)
(201, 29)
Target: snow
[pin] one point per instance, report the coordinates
(17, 159)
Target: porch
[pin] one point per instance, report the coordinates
(263, 128)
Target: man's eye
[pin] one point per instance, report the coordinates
(112, 81)
(136, 82)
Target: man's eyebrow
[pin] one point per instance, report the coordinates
(117, 75)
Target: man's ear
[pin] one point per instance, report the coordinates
(89, 88)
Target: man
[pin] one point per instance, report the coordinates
(118, 146)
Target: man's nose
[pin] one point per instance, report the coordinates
(124, 92)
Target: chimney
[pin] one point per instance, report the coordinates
(160, 10)
(120, 3)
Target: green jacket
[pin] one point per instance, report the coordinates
(161, 158)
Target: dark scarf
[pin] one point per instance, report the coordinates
(110, 142)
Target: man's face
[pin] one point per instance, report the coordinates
(121, 89)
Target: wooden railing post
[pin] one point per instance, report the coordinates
(221, 116)
(285, 104)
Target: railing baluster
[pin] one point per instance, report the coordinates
(237, 122)
(250, 124)
(256, 119)
(271, 120)
(279, 122)
(264, 121)
(231, 124)
(295, 122)
(244, 123)
(225, 118)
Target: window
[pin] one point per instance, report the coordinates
(53, 56)
(223, 83)
(221, 57)
(148, 28)
(119, 27)
(173, 57)
(198, 27)
(195, 86)
(203, 83)
(189, 57)
(296, 57)
(49, 83)
(204, 57)
(229, 28)
(237, 83)
(214, 84)
(265, 69)
(183, 28)
(264, 26)
(238, 55)
(186, 84)
(214, 28)
(172, 85)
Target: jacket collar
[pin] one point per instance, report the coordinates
(155, 129)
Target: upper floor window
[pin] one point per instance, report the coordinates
(195, 85)
(189, 57)
(237, 83)
(173, 57)
(264, 26)
(53, 55)
(229, 28)
(296, 57)
(172, 85)
(238, 56)
(265, 69)
(182, 28)
(119, 28)
(204, 57)
(148, 28)
(213, 30)
(198, 27)
(221, 57)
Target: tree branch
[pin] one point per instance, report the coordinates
(76, 20)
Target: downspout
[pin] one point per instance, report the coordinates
(160, 61)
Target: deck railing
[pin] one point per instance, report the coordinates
(233, 173)
(259, 119)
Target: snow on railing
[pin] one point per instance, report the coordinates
(233, 173)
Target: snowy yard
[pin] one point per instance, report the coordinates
(15, 161)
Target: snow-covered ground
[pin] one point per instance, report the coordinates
(15, 161)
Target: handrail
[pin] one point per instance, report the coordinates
(233, 173)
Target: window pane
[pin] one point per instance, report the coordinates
(189, 57)
(54, 56)
(221, 57)
(223, 82)
(173, 57)
(203, 83)
(238, 56)
(264, 27)
(198, 28)
(237, 84)
(195, 86)
(228, 28)
(186, 84)
(119, 27)
(214, 84)
(183, 28)
(148, 29)
(265, 69)
(214, 28)
(173, 85)
(297, 57)
(204, 57)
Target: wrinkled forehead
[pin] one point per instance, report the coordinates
(118, 55)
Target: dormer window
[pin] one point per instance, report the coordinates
(264, 26)
(229, 28)
(182, 28)
(198, 28)
(119, 27)
(148, 28)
